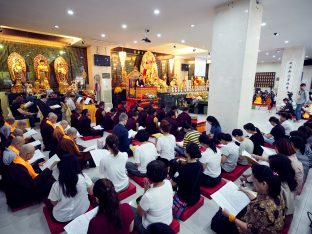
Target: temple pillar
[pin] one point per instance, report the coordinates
(235, 43)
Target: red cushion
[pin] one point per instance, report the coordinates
(175, 225)
(234, 175)
(269, 146)
(24, 206)
(207, 192)
(189, 211)
(136, 142)
(128, 192)
(137, 179)
(55, 227)
(87, 138)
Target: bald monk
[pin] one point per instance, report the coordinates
(47, 129)
(59, 130)
(21, 124)
(9, 122)
(68, 146)
(13, 150)
(23, 184)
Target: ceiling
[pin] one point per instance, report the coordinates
(95, 17)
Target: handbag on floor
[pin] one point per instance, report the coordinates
(221, 224)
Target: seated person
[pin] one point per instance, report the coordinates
(191, 135)
(143, 116)
(215, 129)
(13, 150)
(277, 132)
(245, 144)
(287, 107)
(151, 122)
(100, 113)
(155, 205)
(59, 130)
(132, 122)
(187, 180)
(74, 119)
(24, 185)
(286, 122)
(184, 117)
(17, 132)
(259, 218)
(69, 194)
(139, 82)
(171, 118)
(113, 164)
(22, 113)
(166, 143)
(108, 123)
(85, 128)
(69, 101)
(256, 138)
(211, 162)
(143, 155)
(282, 166)
(21, 124)
(116, 116)
(122, 133)
(47, 129)
(43, 106)
(5, 130)
(68, 146)
(229, 152)
(112, 216)
(9, 122)
(161, 114)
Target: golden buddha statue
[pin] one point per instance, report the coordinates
(148, 69)
(17, 69)
(42, 72)
(61, 72)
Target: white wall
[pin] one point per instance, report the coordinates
(307, 76)
(270, 67)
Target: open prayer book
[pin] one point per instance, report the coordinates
(87, 101)
(98, 127)
(38, 155)
(249, 158)
(80, 224)
(92, 147)
(228, 197)
(28, 104)
(35, 143)
(79, 99)
(97, 155)
(51, 162)
(131, 133)
(180, 144)
(157, 135)
(29, 133)
(268, 151)
(55, 106)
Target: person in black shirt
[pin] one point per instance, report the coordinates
(256, 137)
(288, 107)
(187, 180)
(277, 132)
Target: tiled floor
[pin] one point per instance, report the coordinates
(32, 221)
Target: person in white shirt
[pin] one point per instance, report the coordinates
(70, 102)
(156, 203)
(286, 122)
(211, 162)
(229, 152)
(113, 164)
(165, 144)
(143, 155)
(245, 144)
(69, 195)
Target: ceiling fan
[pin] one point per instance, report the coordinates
(146, 39)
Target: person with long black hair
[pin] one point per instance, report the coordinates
(282, 166)
(112, 217)
(69, 195)
(265, 213)
(256, 137)
(211, 162)
(215, 127)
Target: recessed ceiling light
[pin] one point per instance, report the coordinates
(263, 24)
(182, 41)
(156, 12)
(273, 56)
(70, 12)
(158, 35)
(278, 51)
(135, 41)
(267, 53)
(56, 26)
(286, 42)
(307, 56)
(124, 26)
(192, 25)
(103, 35)
(279, 58)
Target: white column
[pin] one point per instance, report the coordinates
(291, 73)
(106, 87)
(235, 42)
(307, 76)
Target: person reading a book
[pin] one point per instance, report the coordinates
(21, 124)
(143, 155)
(229, 152)
(100, 113)
(187, 181)
(256, 137)
(69, 194)
(282, 166)
(211, 162)
(24, 185)
(245, 144)
(277, 132)
(265, 213)
(165, 144)
(122, 133)
(184, 116)
(74, 118)
(13, 150)
(171, 118)
(155, 206)
(59, 130)
(112, 217)
(85, 128)
(215, 129)
(132, 122)
(113, 164)
(151, 122)
(46, 129)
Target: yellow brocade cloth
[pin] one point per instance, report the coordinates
(258, 100)
(68, 138)
(12, 128)
(12, 148)
(50, 123)
(27, 165)
(91, 108)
